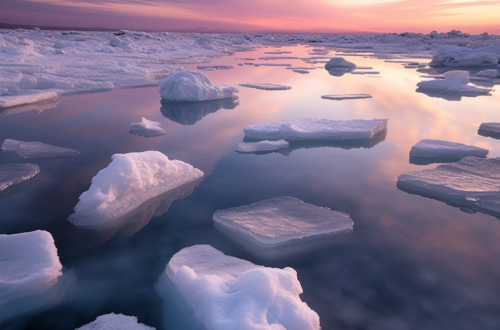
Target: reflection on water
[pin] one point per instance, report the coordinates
(188, 113)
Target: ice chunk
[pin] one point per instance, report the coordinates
(455, 82)
(34, 150)
(282, 225)
(471, 183)
(441, 151)
(261, 146)
(218, 292)
(365, 72)
(193, 86)
(115, 322)
(490, 73)
(130, 180)
(340, 63)
(214, 67)
(267, 87)
(16, 100)
(340, 97)
(490, 129)
(460, 75)
(189, 113)
(14, 174)
(147, 128)
(272, 64)
(301, 71)
(317, 129)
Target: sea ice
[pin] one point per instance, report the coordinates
(130, 180)
(8, 101)
(455, 82)
(337, 66)
(115, 322)
(301, 71)
(267, 87)
(472, 183)
(35, 150)
(317, 129)
(460, 75)
(340, 97)
(14, 174)
(193, 86)
(261, 146)
(490, 129)
(147, 128)
(214, 67)
(490, 73)
(282, 225)
(365, 72)
(466, 57)
(218, 292)
(272, 64)
(444, 149)
(189, 113)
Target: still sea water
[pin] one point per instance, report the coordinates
(411, 263)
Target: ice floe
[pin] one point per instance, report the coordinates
(261, 146)
(338, 66)
(213, 291)
(340, 97)
(282, 226)
(272, 64)
(490, 73)
(438, 151)
(193, 86)
(114, 321)
(36, 150)
(147, 128)
(490, 129)
(189, 113)
(267, 87)
(301, 71)
(8, 101)
(455, 82)
(16, 174)
(214, 67)
(130, 180)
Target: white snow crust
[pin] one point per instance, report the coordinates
(455, 82)
(147, 128)
(267, 87)
(114, 321)
(261, 146)
(36, 150)
(13, 174)
(445, 149)
(340, 97)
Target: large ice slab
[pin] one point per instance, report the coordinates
(472, 183)
(114, 321)
(147, 128)
(193, 86)
(130, 180)
(466, 57)
(490, 129)
(267, 87)
(317, 129)
(455, 82)
(218, 292)
(189, 113)
(9, 101)
(340, 97)
(261, 146)
(282, 225)
(438, 151)
(15, 174)
(36, 150)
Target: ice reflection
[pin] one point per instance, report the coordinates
(189, 113)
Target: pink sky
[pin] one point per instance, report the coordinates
(260, 15)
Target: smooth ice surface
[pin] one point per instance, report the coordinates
(261, 146)
(339, 97)
(439, 148)
(9, 101)
(147, 128)
(267, 87)
(13, 174)
(193, 86)
(114, 321)
(34, 150)
(317, 129)
(226, 293)
(471, 183)
(130, 180)
(455, 82)
(460, 75)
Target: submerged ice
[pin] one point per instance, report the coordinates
(147, 128)
(16, 174)
(445, 149)
(267, 87)
(35, 150)
(115, 322)
(261, 146)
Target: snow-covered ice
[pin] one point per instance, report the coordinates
(282, 225)
(339, 97)
(147, 128)
(15, 174)
(267, 87)
(438, 149)
(193, 86)
(114, 321)
(261, 146)
(490, 129)
(453, 56)
(490, 73)
(460, 75)
(35, 149)
(455, 82)
(17, 100)
(189, 113)
(130, 180)
(472, 183)
(317, 129)
(214, 291)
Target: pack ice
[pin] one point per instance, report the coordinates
(218, 292)
(317, 129)
(15, 174)
(490, 129)
(130, 180)
(267, 87)
(261, 146)
(29, 268)
(282, 225)
(452, 56)
(445, 149)
(472, 183)
(455, 82)
(193, 86)
(114, 321)
(35, 150)
(147, 128)
(340, 97)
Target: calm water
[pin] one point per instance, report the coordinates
(412, 262)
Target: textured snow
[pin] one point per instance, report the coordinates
(35, 150)
(147, 128)
(471, 183)
(445, 149)
(193, 86)
(14, 174)
(261, 146)
(340, 97)
(452, 56)
(17, 100)
(267, 87)
(455, 82)
(225, 293)
(490, 129)
(130, 180)
(317, 129)
(115, 322)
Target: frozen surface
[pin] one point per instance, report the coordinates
(445, 149)
(130, 180)
(472, 183)
(225, 293)
(453, 56)
(455, 82)
(339, 97)
(14, 174)
(267, 87)
(147, 128)
(35, 150)
(490, 129)
(490, 73)
(261, 146)
(115, 322)
(337, 66)
(460, 75)
(193, 86)
(17, 100)
(317, 129)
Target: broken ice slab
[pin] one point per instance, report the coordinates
(283, 226)
(279, 58)
(37, 150)
(437, 151)
(490, 130)
(147, 128)
(317, 129)
(36, 108)
(114, 321)
(472, 183)
(272, 64)
(16, 174)
(189, 113)
(340, 97)
(301, 71)
(365, 72)
(18, 100)
(267, 87)
(455, 82)
(261, 146)
(199, 280)
(214, 67)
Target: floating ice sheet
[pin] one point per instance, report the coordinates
(15, 174)
(438, 151)
(455, 82)
(189, 113)
(272, 64)
(17, 100)
(115, 322)
(214, 67)
(261, 146)
(490, 129)
(340, 97)
(147, 128)
(301, 71)
(267, 87)
(36, 150)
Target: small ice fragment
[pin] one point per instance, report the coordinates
(460, 75)
(16, 100)
(14, 174)
(147, 128)
(339, 63)
(364, 68)
(214, 67)
(301, 71)
(340, 97)
(34, 150)
(365, 72)
(301, 68)
(490, 129)
(193, 86)
(271, 64)
(261, 146)
(114, 321)
(267, 87)
(445, 149)
(279, 58)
